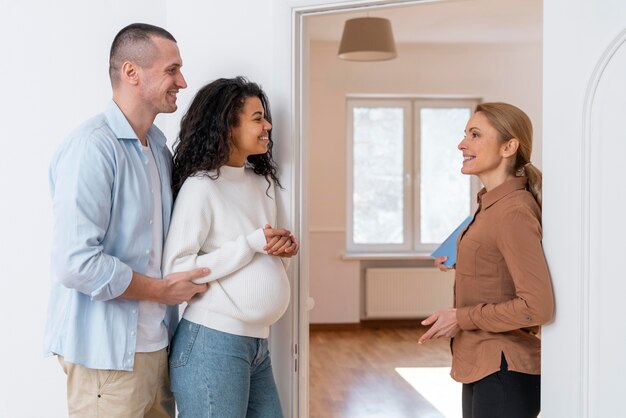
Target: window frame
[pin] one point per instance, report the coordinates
(411, 106)
(407, 144)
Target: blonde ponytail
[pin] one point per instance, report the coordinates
(534, 176)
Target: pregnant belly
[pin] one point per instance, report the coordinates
(258, 292)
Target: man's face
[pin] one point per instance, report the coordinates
(161, 81)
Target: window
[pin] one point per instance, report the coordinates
(406, 192)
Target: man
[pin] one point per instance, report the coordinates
(109, 320)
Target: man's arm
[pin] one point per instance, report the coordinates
(82, 176)
(173, 289)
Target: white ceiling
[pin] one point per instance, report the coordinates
(452, 21)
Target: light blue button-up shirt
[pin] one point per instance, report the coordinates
(102, 206)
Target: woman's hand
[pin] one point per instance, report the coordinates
(439, 263)
(444, 324)
(280, 242)
(291, 250)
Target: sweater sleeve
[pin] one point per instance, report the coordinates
(189, 228)
(519, 241)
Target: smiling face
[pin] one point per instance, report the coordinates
(484, 154)
(251, 135)
(162, 79)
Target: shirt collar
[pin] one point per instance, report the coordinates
(487, 199)
(122, 129)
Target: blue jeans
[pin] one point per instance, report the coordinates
(216, 374)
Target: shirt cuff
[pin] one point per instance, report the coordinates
(464, 320)
(117, 284)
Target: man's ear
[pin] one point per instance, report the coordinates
(509, 148)
(129, 73)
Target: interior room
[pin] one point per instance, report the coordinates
(562, 61)
(450, 55)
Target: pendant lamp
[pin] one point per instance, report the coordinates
(367, 39)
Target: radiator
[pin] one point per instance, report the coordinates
(406, 292)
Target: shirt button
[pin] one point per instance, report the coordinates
(147, 251)
(134, 311)
(145, 162)
(130, 353)
(150, 221)
(132, 333)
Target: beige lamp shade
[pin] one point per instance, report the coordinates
(367, 39)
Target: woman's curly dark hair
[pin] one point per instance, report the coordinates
(204, 142)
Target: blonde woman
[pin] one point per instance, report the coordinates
(503, 291)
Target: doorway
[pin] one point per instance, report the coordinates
(470, 48)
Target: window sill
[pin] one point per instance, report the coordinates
(386, 256)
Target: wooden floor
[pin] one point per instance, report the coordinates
(353, 372)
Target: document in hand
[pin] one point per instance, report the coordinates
(448, 247)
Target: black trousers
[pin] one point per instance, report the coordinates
(504, 394)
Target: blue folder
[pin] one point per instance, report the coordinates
(448, 247)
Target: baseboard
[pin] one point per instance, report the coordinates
(391, 323)
(335, 327)
(369, 323)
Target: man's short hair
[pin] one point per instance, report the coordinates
(134, 43)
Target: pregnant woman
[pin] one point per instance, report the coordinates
(224, 216)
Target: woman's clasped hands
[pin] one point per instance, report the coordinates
(280, 242)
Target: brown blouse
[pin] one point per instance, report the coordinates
(502, 286)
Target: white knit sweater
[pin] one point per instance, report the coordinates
(218, 224)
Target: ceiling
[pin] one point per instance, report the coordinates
(452, 21)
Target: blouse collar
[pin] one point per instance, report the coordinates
(488, 198)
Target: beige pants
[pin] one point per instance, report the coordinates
(144, 392)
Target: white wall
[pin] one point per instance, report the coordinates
(583, 357)
(54, 72)
(510, 73)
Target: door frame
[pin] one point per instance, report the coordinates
(300, 215)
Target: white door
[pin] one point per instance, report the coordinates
(584, 206)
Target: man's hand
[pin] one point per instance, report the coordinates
(444, 323)
(179, 287)
(175, 288)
